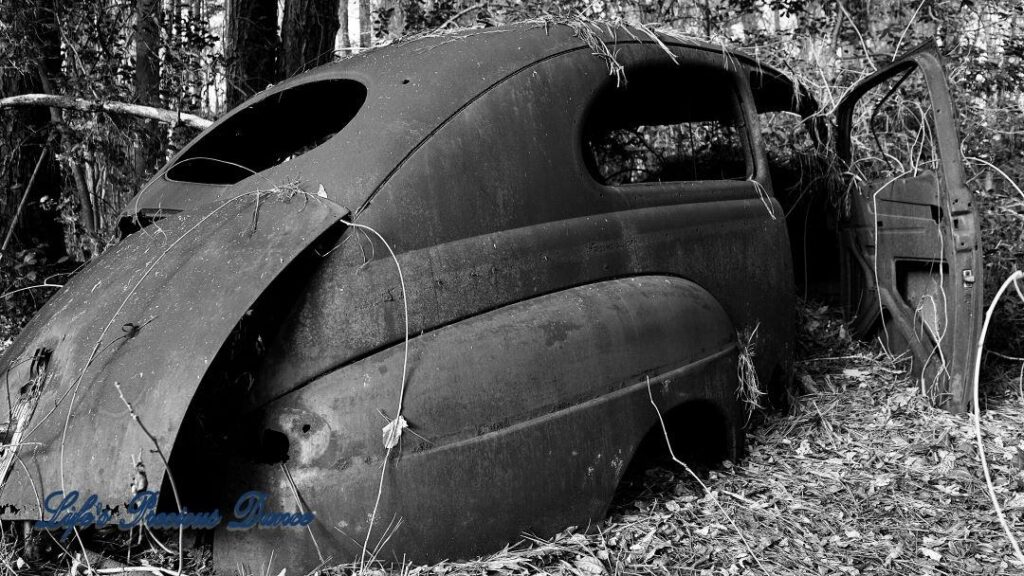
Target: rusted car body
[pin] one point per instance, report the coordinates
(550, 294)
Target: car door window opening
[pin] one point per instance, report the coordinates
(893, 131)
(270, 132)
(674, 123)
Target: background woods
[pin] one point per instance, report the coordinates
(65, 174)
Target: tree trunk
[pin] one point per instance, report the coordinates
(342, 42)
(251, 48)
(365, 24)
(176, 13)
(147, 52)
(308, 33)
(147, 82)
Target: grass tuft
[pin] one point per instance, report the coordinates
(749, 390)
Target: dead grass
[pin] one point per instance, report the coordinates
(749, 391)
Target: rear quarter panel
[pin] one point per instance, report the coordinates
(498, 206)
(522, 420)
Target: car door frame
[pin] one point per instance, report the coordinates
(963, 255)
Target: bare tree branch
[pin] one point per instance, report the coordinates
(84, 105)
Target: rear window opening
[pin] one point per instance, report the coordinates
(269, 132)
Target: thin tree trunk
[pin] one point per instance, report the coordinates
(365, 24)
(308, 32)
(342, 43)
(147, 52)
(147, 81)
(176, 9)
(251, 48)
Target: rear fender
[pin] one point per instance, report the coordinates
(522, 419)
(140, 325)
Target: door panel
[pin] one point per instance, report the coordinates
(911, 264)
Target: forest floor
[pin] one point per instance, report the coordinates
(859, 476)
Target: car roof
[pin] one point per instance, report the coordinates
(466, 62)
(414, 86)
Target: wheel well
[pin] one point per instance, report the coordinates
(699, 434)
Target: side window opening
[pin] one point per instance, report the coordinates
(671, 123)
(270, 131)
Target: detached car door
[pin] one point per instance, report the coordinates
(912, 258)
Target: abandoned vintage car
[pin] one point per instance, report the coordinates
(437, 294)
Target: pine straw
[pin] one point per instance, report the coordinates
(862, 477)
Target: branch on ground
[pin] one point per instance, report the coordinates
(171, 117)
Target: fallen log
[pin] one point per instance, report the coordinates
(171, 117)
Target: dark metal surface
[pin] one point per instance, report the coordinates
(350, 310)
(492, 210)
(522, 419)
(150, 315)
(540, 301)
(455, 280)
